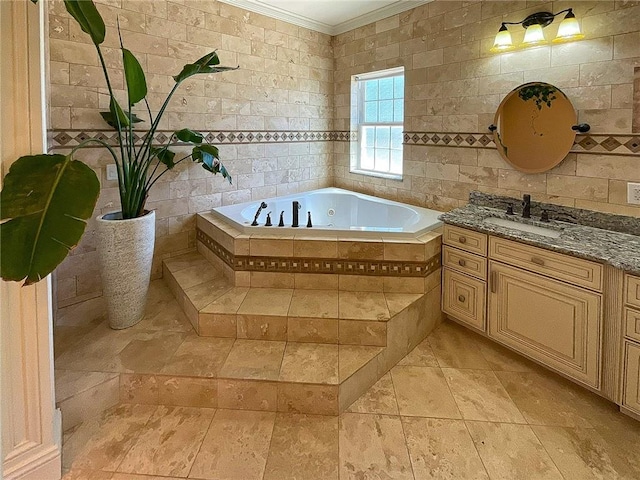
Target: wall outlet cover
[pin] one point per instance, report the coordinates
(112, 172)
(633, 193)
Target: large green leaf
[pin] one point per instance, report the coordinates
(191, 136)
(45, 201)
(208, 156)
(134, 76)
(111, 120)
(206, 64)
(88, 17)
(165, 156)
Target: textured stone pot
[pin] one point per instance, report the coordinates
(125, 252)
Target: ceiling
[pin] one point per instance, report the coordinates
(328, 16)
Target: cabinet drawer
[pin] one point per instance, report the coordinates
(631, 393)
(474, 242)
(556, 265)
(464, 298)
(550, 321)
(465, 262)
(632, 291)
(632, 329)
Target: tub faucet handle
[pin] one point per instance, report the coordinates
(309, 220)
(268, 222)
(281, 222)
(255, 219)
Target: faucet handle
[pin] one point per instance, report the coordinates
(510, 209)
(544, 217)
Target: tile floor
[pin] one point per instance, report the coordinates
(457, 407)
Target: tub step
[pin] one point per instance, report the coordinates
(216, 308)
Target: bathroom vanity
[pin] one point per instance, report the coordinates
(564, 295)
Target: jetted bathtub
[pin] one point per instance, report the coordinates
(333, 211)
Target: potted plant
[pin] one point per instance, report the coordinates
(47, 198)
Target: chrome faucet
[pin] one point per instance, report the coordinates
(526, 206)
(255, 219)
(296, 207)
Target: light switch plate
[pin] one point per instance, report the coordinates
(112, 172)
(633, 193)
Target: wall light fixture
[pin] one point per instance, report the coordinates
(568, 30)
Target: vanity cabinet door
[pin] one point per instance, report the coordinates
(631, 397)
(552, 322)
(464, 298)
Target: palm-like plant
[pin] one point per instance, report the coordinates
(47, 198)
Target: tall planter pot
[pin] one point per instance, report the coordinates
(125, 252)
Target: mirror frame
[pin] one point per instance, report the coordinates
(541, 101)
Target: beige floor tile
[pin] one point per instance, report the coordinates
(247, 394)
(69, 382)
(227, 303)
(373, 446)
(363, 306)
(303, 447)
(314, 303)
(456, 347)
(380, 398)
(581, 453)
(90, 402)
(310, 363)
(199, 357)
(162, 311)
(396, 302)
(180, 262)
(354, 357)
(202, 272)
(421, 356)
(102, 443)
(314, 330)
(261, 327)
(442, 450)
(266, 301)
(66, 337)
(510, 451)
(423, 392)
(235, 447)
(169, 442)
(480, 396)
(131, 476)
(546, 399)
(204, 293)
(253, 359)
(148, 352)
(83, 474)
(307, 398)
(500, 358)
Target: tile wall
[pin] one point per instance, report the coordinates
(285, 83)
(454, 85)
(298, 80)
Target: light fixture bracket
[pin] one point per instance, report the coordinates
(540, 18)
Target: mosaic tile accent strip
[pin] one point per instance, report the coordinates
(240, 263)
(59, 139)
(601, 144)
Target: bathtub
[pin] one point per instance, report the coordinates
(333, 211)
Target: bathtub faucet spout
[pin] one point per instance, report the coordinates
(296, 207)
(255, 219)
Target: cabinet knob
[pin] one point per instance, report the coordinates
(537, 261)
(461, 298)
(462, 239)
(461, 262)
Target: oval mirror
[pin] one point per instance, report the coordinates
(533, 127)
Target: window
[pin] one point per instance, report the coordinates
(378, 120)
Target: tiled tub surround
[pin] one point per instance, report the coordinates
(332, 211)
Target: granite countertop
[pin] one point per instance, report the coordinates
(620, 250)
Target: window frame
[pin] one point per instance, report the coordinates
(359, 81)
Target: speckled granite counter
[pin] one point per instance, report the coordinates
(620, 250)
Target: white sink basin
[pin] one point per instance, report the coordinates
(523, 227)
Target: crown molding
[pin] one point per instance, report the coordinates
(302, 21)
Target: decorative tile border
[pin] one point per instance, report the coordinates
(601, 144)
(59, 139)
(242, 263)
